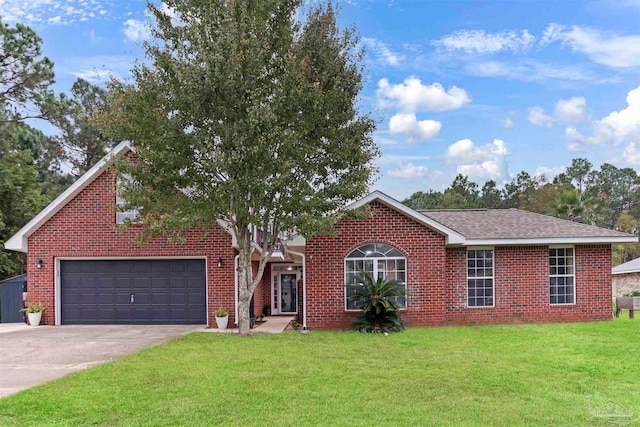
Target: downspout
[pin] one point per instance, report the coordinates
(304, 287)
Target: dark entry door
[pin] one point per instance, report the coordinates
(288, 293)
(167, 291)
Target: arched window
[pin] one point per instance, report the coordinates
(377, 259)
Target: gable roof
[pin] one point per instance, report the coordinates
(18, 242)
(452, 236)
(513, 226)
(632, 266)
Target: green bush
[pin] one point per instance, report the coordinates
(378, 299)
(632, 294)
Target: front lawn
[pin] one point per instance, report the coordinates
(558, 374)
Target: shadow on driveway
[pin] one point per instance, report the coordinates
(31, 356)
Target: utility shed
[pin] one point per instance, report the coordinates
(11, 299)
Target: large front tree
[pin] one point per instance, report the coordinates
(253, 116)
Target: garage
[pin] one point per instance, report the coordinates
(133, 291)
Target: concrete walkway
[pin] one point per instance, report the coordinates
(274, 324)
(271, 325)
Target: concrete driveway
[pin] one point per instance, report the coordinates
(31, 356)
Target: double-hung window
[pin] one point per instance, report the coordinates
(480, 289)
(121, 216)
(562, 285)
(378, 259)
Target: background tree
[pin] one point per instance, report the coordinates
(80, 144)
(569, 205)
(25, 77)
(424, 200)
(253, 115)
(463, 193)
(626, 251)
(21, 198)
(578, 173)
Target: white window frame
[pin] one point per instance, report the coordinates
(131, 214)
(572, 275)
(374, 259)
(492, 277)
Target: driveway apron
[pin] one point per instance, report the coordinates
(31, 356)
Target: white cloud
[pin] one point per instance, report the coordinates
(51, 12)
(136, 30)
(411, 96)
(407, 124)
(606, 48)
(507, 123)
(617, 127)
(571, 111)
(529, 70)
(479, 163)
(631, 154)
(538, 117)
(382, 51)
(408, 171)
(478, 41)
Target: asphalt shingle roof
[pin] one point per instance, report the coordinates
(632, 266)
(484, 224)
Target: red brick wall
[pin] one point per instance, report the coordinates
(423, 248)
(521, 286)
(86, 227)
(437, 277)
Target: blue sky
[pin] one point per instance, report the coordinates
(486, 89)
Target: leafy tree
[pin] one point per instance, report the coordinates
(25, 77)
(491, 197)
(80, 144)
(253, 116)
(626, 251)
(421, 200)
(379, 301)
(518, 192)
(614, 189)
(578, 173)
(463, 193)
(21, 198)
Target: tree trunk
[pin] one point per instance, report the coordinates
(245, 280)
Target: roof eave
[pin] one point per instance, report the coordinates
(18, 242)
(552, 241)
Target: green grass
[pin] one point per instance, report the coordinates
(555, 374)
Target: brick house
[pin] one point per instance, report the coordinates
(459, 267)
(626, 277)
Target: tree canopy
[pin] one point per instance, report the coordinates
(34, 169)
(253, 115)
(608, 197)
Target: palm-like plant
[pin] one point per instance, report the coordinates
(378, 299)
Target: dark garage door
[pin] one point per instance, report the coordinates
(167, 291)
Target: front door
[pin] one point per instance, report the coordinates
(285, 293)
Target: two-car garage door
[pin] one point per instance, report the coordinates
(141, 291)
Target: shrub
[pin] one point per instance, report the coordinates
(378, 299)
(34, 308)
(632, 294)
(221, 312)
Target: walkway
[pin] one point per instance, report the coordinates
(271, 325)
